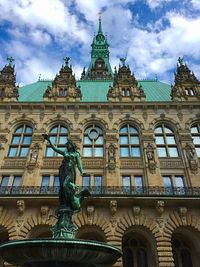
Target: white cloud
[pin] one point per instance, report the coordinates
(196, 4)
(157, 3)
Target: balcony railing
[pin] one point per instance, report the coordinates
(151, 191)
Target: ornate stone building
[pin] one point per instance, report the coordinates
(140, 148)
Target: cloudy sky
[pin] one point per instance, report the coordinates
(152, 34)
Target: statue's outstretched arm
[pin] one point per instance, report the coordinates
(78, 162)
(60, 151)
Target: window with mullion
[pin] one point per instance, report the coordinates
(93, 142)
(165, 142)
(129, 142)
(58, 136)
(21, 141)
(195, 132)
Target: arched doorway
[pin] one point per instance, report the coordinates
(91, 233)
(186, 247)
(139, 249)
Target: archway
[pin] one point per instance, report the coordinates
(91, 233)
(186, 247)
(139, 248)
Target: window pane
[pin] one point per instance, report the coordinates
(17, 181)
(124, 140)
(86, 181)
(135, 151)
(162, 152)
(179, 181)
(45, 180)
(98, 181)
(53, 139)
(63, 130)
(124, 129)
(138, 181)
(56, 181)
(160, 140)
(194, 129)
(98, 151)
(87, 152)
(28, 130)
(133, 130)
(196, 140)
(54, 130)
(170, 140)
(167, 181)
(27, 140)
(49, 152)
(134, 140)
(87, 141)
(16, 140)
(158, 130)
(19, 130)
(126, 181)
(12, 152)
(62, 140)
(5, 181)
(99, 140)
(124, 151)
(93, 134)
(198, 151)
(173, 152)
(167, 130)
(23, 152)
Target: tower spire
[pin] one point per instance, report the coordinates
(100, 26)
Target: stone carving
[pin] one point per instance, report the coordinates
(191, 157)
(183, 213)
(34, 154)
(160, 205)
(113, 209)
(150, 157)
(44, 211)
(20, 207)
(90, 214)
(136, 213)
(111, 157)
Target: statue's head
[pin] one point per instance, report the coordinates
(71, 147)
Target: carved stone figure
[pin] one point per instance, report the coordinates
(111, 153)
(150, 151)
(34, 155)
(20, 206)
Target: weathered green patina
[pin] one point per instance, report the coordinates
(70, 200)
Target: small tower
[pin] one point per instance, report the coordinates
(63, 86)
(99, 68)
(8, 88)
(125, 87)
(186, 86)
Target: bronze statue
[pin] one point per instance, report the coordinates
(68, 195)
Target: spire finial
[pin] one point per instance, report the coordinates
(66, 60)
(10, 60)
(180, 61)
(100, 27)
(123, 59)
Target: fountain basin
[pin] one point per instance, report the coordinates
(59, 253)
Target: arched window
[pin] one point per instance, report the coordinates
(129, 141)
(58, 136)
(165, 142)
(195, 132)
(134, 253)
(21, 141)
(181, 253)
(93, 142)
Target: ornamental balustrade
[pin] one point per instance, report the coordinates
(142, 191)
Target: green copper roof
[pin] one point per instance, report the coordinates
(33, 92)
(96, 91)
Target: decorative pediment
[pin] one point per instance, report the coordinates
(63, 86)
(8, 88)
(186, 85)
(125, 86)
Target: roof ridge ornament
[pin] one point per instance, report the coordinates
(66, 60)
(123, 59)
(180, 61)
(10, 60)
